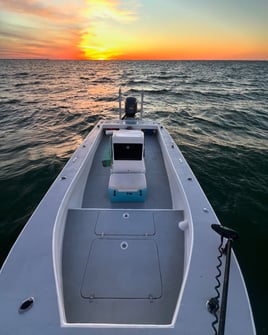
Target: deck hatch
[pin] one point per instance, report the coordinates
(122, 269)
(137, 223)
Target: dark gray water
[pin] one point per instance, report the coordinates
(216, 111)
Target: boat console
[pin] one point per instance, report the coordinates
(127, 181)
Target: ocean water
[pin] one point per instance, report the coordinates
(217, 113)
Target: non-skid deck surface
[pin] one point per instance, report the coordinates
(158, 192)
(122, 266)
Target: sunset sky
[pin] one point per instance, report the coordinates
(134, 29)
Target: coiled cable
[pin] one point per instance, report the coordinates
(213, 303)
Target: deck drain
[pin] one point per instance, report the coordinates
(124, 245)
(26, 305)
(126, 216)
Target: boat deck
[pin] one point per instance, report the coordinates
(123, 262)
(122, 266)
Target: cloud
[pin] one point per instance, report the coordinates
(84, 26)
(99, 38)
(30, 42)
(112, 9)
(38, 9)
(33, 28)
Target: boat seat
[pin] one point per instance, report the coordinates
(127, 187)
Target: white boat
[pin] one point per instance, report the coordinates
(124, 242)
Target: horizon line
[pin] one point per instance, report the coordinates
(136, 60)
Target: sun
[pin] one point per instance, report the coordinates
(97, 51)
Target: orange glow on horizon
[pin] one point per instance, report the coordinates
(105, 54)
(192, 51)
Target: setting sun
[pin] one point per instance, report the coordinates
(93, 49)
(97, 53)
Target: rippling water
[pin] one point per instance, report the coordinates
(216, 112)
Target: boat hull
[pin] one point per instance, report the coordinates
(99, 267)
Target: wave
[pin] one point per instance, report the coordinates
(10, 102)
(102, 80)
(22, 74)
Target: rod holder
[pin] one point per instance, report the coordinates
(225, 232)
